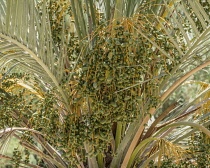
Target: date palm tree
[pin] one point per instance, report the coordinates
(94, 76)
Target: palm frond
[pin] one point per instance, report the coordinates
(22, 162)
(29, 33)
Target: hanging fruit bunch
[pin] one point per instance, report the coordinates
(114, 79)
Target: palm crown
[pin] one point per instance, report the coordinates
(97, 72)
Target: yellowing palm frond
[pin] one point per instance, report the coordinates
(20, 84)
(168, 149)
